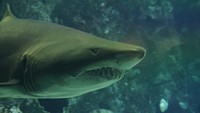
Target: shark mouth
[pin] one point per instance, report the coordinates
(106, 72)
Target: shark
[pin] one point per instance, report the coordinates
(46, 60)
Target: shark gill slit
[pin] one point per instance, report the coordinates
(28, 81)
(25, 79)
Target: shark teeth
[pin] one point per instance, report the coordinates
(106, 72)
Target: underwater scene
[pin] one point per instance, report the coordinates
(147, 59)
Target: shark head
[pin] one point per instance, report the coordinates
(77, 68)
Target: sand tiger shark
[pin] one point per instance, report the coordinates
(47, 60)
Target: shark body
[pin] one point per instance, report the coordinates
(46, 60)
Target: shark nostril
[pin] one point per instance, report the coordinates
(94, 51)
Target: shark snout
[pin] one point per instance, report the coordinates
(136, 53)
(131, 54)
(128, 58)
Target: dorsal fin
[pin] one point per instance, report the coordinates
(8, 14)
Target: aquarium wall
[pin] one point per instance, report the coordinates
(168, 78)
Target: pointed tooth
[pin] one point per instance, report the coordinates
(97, 72)
(89, 72)
(116, 72)
(120, 74)
(103, 72)
(110, 74)
(124, 72)
(113, 72)
(93, 72)
(106, 72)
(100, 71)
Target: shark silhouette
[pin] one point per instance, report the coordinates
(46, 60)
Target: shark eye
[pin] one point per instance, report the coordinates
(94, 51)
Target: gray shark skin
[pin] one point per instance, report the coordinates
(46, 60)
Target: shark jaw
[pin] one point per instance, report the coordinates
(106, 72)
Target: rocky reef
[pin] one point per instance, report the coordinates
(169, 30)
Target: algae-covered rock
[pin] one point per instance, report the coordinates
(101, 111)
(20, 106)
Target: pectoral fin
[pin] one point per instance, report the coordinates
(10, 82)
